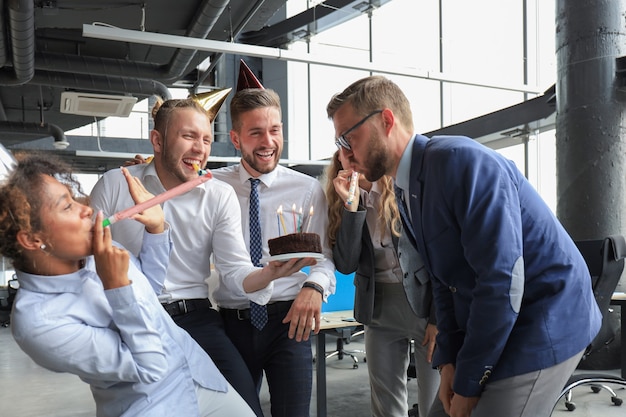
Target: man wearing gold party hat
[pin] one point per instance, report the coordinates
(205, 221)
(278, 343)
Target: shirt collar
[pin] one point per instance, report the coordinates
(148, 175)
(68, 283)
(373, 194)
(266, 179)
(404, 167)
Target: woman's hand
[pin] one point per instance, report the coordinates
(152, 218)
(111, 262)
(342, 187)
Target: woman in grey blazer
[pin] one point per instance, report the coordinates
(393, 296)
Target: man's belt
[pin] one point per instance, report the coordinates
(244, 313)
(178, 307)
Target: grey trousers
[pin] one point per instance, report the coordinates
(527, 395)
(387, 343)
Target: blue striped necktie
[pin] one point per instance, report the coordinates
(406, 221)
(258, 313)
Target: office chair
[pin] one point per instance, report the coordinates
(345, 336)
(7, 303)
(605, 260)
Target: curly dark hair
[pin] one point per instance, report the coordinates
(21, 198)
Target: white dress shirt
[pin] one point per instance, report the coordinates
(205, 221)
(289, 188)
(121, 341)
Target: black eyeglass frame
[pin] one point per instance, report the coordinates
(342, 142)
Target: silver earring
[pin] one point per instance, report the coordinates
(42, 246)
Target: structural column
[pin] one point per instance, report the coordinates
(591, 118)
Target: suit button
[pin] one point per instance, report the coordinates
(406, 274)
(452, 289)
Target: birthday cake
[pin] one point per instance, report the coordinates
(295, 242)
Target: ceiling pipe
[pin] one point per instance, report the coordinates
(102, 83)
(217, 56)
(77, 64)
(41, 129)
(167, 73)
(21, 16)
(3, 40)
(208, 14)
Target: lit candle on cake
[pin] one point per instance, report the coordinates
(300, 221)
(293, 212)
(310, 218)
(282, 219)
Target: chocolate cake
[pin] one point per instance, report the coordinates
(295, 242)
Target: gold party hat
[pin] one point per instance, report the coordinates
(212, 101)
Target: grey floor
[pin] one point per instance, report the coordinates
(27, 390)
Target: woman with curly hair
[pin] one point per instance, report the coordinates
(85, 307)
(393, 295)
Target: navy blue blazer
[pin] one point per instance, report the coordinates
(512, 292)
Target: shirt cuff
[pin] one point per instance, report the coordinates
(121, 296)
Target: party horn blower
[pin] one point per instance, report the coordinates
(354, 181)
(199, 171)
(158, 199)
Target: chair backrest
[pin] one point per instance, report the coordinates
(605, 260)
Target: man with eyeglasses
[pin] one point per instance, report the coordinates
(514, 305)
(342, 141)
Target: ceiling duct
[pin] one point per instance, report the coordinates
(100, 105)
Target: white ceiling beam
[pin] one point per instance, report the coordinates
(207, 45)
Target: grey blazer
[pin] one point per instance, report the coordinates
(354, 251)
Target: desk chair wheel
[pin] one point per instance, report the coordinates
(571, 406)
(597, 383)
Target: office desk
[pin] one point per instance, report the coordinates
(619, 299)
(330, 322)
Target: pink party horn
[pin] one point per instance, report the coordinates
(158, 199)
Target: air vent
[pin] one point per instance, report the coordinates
(100, 105)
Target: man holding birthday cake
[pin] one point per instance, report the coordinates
(271, 326)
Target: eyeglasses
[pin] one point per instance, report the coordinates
(342, 141)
